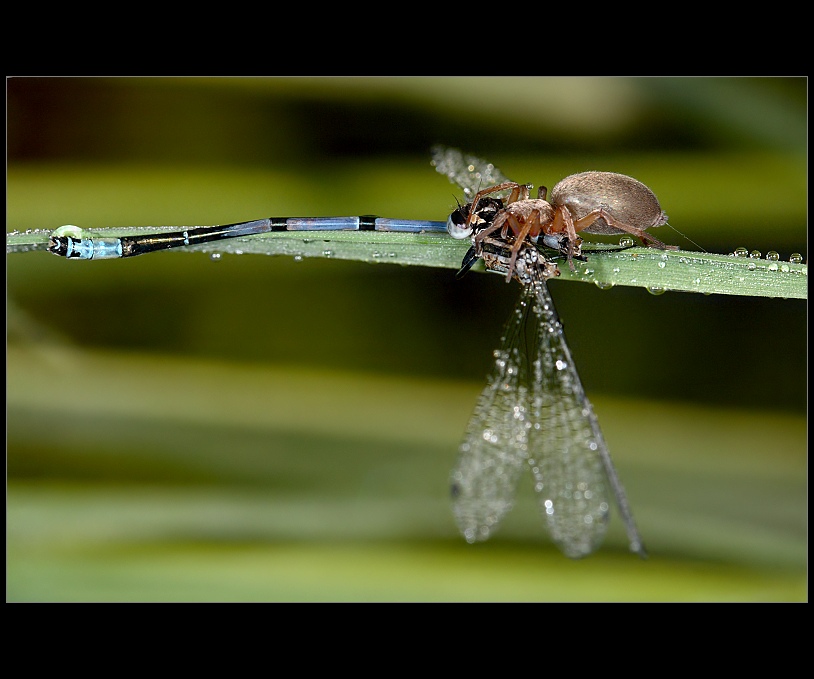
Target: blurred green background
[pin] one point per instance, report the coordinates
(261, 429)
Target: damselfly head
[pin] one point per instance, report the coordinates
(484, 215)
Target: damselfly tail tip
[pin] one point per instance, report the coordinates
(58, 246)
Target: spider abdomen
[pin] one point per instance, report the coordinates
(624, 198)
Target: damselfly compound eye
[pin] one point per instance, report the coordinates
(456, 224)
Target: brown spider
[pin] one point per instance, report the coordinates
(594, 202)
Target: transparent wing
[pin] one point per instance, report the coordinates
(567, 452)
(493, 454)
(534, 414)
(469, 172)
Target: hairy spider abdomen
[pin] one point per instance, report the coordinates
(624, 198)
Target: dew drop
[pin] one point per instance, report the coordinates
(772, 256)
(772, 266)
(603, 285)
(741, 252)
(215, 256)
(751, 266)
(656, 290)
(626, 242)
(327, 253)
(796, 258)
(662, 265)
(755, 254)
(297, 258)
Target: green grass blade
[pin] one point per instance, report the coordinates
(649, 268)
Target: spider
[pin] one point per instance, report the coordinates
(593, 202)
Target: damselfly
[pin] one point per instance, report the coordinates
(533, 413)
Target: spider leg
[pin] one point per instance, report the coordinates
(563, 221)
(522, 231)
(519, 192)
(514, 186)
(494, 226)
(601, 213)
